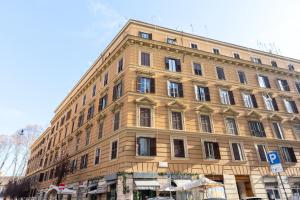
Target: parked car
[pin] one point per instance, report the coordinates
(251, 198)
(161, 198)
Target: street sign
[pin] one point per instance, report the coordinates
(274, 161)
(273, 158)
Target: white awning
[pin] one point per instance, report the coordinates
(146, 185)
(67, 191)
(180, 182)
(98, 191)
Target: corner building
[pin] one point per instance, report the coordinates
(163, 107)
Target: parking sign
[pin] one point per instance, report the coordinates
(274, 161)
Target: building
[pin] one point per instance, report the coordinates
(161, 107)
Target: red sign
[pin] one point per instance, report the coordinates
(61, 186)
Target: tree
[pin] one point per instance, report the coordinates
(62, 169)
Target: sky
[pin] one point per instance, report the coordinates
(47, 45)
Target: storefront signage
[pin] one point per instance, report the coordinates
(144, 175)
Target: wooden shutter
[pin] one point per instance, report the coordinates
(261, 152)
(152, 85)
(138, 83)
(206, 149)
(287, 87)
(294, 106)
(236, 151)
(178, 65)
(196, 92)
(207, 95)
(275, 106)
(167, 63)
(267, 83)
(298, 86)
(217, 151)
(180, 89)
(153, 146)
(231, 98)
(292, 154)
(262, 129)
(138, 146)
(114, 92)
(254, 101)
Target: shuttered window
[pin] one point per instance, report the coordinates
(114, 150)
(145, 59)
(145, 117)
(283, 85)
(242, 77)
(179, 150)
(118, 90)
(173, 64)
(212, 150)
(227, 97)
(237, 150)
(197, 69)
(256, 129)
(262, 152)
(202, 93)
(278, 130)
(288, 154)
(146, 146)
(103, 102)
(117, 120)
(175, 89)
(145, 85)
(220, 73)
(205, 123)
(263, 81)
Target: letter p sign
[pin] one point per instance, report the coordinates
(273, 158)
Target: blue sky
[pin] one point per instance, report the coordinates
(46, 45)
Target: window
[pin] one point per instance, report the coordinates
(263, 81)
(220, 73)
(62, 121)
(76, 106)
(249, 100)
(212, 150)
(145, 117)
(175, 89)
(256, 129)
(202, 93)
(237, 150)
(114, 150)
(97, 156)
(288, 154)
(256, 60)
(147, 36)
(291, 67)
(145, 85)
(216, 51)
(68, 115)
(177, 122)
(146, 146)
(197, 69)
(120, 65)
(231, 126)
(171, 40)
(242, 77)
(179, 148)
(278, 130)
(83, 100)
(145, 59)
(205, 123)
(283, 85)
(173, 64)
(297, 83)
(90, 112)
(105, 79)
(84, 161)
(194, 46)
(262, 152)
(296, 191)
(118, 90)
(226, 97)
(101, 129)
(270, 103)
(274, 63)
(103, 102)
(87, 136)
(73, 165)
(296, 130)
(80, 120)
(236, 55)
(273, 192)
(290, 106)
(117, 120)
(94, 90)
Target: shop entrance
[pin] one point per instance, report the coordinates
(243, 185)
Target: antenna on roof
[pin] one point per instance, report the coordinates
(192, 28)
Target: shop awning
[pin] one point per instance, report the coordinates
(146, 185)
(181, 182)
(98, 191)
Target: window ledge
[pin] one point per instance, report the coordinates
(145, 157)
(179, 158)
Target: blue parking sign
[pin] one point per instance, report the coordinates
(273, 158)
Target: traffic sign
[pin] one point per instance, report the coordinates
(61, 186)
(277, 168)
(273, 158)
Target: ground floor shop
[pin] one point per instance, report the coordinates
(141, 186)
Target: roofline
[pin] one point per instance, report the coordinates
(214, 40)
(134, 21)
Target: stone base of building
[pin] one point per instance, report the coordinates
(140, 186)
